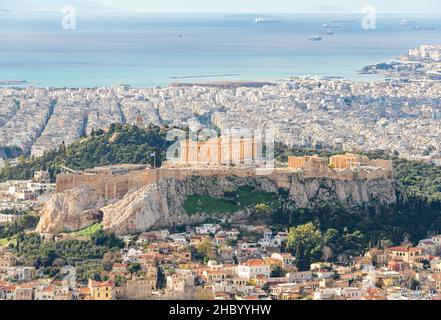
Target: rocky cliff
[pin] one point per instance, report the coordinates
(161, 204)
(71, 210)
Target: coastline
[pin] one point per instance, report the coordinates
(12, 82)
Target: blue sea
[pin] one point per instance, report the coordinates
(156, 50)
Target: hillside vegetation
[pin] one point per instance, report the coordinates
(233, 201)
(118, 144)
(328, 227)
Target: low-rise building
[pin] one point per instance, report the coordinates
(253, 268)
(101, 290)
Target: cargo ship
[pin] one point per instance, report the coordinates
(344, 21)
(262, 20)
(407, 23)
(330, 26)
(315, 38)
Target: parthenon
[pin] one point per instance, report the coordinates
(220, 151)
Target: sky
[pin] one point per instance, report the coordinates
(285, 6)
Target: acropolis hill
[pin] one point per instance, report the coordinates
(117, 181)
(221, 157)
(130, 199)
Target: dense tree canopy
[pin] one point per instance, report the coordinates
(117, 144)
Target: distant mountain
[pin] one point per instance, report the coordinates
(52, 5)
(327, 8)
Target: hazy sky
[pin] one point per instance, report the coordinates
(271, 5)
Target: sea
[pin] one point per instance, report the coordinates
(146, 50)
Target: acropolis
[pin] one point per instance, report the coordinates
(214, 158)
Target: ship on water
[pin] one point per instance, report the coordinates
(344, 21)
(418, 28)
(330, 26)
(263, 20)
(407, 23)
(315, 38)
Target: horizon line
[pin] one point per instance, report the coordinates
(116, 10)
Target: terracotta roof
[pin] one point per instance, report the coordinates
(436, 277)
(26, 286)
(254, 263)
(48, 289)
(57, 282)
(84, 290)
(400, 249)
(9, 288)
(102, 284)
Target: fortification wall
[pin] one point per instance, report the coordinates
(111, 186)
(116, 186)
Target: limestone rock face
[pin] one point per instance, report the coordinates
(305, 193)
(160, 204)
(71, 210)
(154, 206)
(141, 210)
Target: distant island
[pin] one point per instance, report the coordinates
(12, 82)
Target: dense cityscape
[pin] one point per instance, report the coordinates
(394, 115)
(227, 258)
(252, 181)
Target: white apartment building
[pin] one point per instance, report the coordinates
(253, 268)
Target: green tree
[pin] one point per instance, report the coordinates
(263, 210)
(277, 272)
(305, 242)
(204, 251)
(134, 268)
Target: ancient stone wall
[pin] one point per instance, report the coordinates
(116, 186)
(109, 185)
